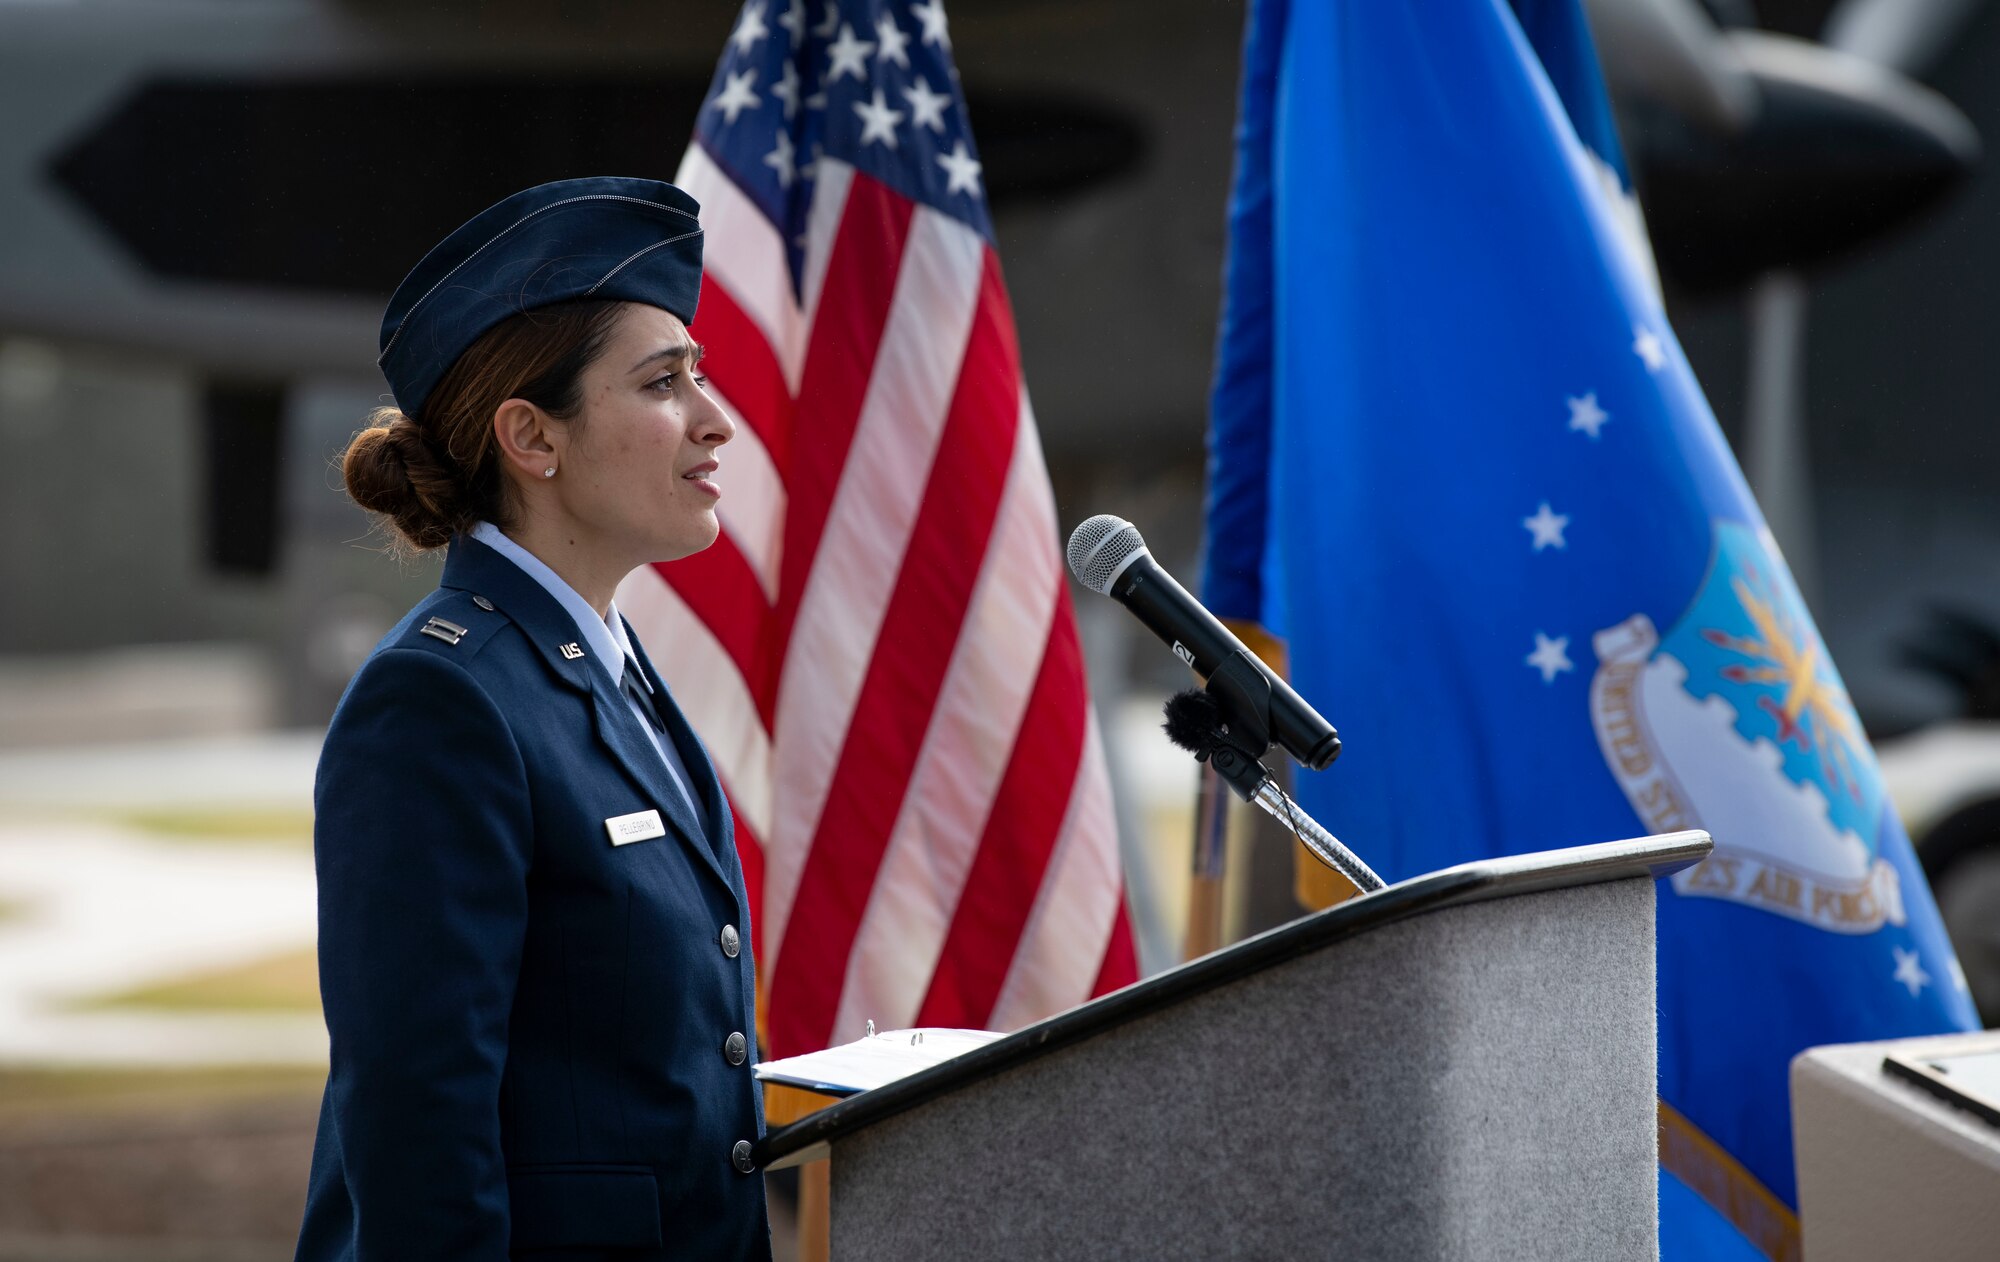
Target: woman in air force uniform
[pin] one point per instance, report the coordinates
(534, 942)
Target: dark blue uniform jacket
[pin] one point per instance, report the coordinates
(531, 1027)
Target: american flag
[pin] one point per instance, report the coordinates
(880, 652)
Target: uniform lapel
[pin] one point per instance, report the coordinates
(621, 732)
(706, 786)
(473, 567)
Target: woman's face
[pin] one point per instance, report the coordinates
(637, 470)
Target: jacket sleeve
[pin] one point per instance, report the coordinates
(422, 838)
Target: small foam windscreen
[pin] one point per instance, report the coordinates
(1194, 720)
(1099, 547)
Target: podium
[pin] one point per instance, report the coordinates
(1462, 1065)
(1888, 1168)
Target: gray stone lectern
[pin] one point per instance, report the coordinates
(1461, 1065)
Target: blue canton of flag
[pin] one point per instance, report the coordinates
(1460, 464)
(868, 82)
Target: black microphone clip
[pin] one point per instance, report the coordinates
(1227, 724)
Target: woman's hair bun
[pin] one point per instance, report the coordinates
(391, 469)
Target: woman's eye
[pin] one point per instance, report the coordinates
(666, 381)
(702, 382)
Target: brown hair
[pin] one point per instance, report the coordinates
(436, 475)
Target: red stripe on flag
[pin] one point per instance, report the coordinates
(1121, 962)
(721, 588)
(744, 368)
(920, 629)
(1020, 835)
(855, 301)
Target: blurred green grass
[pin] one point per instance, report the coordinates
(223, 823)
(28, 1091)
(287, 982)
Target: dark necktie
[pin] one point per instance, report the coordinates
(636, 692)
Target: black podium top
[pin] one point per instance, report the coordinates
(1448, 887)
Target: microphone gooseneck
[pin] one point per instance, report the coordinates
(1195, 723)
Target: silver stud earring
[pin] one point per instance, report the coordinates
(549, 472)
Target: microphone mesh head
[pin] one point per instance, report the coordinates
(1099, 548)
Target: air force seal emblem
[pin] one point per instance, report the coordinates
(1736, 722)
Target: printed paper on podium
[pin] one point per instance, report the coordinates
(872, 1061)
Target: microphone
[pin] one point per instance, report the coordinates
(1107, 555)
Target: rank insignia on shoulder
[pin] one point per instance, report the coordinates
(439, 629)
(571, 652)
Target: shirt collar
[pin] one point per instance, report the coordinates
(604, 637)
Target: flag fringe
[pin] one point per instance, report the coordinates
(1718, 1178)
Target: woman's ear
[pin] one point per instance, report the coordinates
(529, 442)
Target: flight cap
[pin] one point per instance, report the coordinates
(602, 236)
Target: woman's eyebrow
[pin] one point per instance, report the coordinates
(666, 352)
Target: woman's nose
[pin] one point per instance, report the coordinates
(712, 424)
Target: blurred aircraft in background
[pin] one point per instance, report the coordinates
(233, 188)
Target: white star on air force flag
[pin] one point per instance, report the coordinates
(1551, 656)
(1584, 414)
(1646, 345)
(1910, 971)
(1547, 527)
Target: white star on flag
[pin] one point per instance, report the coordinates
(1646, 345)
(850, 56)
(750, 28)
(736, 95)
(794, 19)
(780, 159)
(892, 40)
(961, 170)
(931, 14)
(1547, 527)
(878, 121)
(826, 29)
(1910, 970)
(786, 89)
(1584, 414)
(1551, 657)
(926, 106)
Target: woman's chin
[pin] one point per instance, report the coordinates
(686, 543)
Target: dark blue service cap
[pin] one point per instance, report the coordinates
(603, 236)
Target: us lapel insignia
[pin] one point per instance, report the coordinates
(571, 652)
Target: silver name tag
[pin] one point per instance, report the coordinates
(638, 826)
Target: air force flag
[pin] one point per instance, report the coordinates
(1460, 464)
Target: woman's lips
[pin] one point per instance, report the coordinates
(699, 476)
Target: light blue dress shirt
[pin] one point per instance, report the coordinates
(605, 640)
